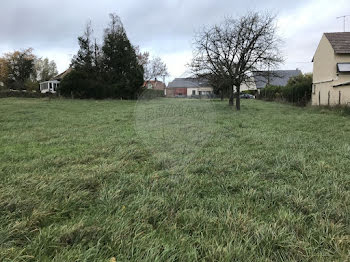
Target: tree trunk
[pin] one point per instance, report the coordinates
(238, 99)
(231, 103)
(222, 95)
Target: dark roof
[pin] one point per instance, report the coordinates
(62, 75)
(188, 82)
(275, 78)
(340, 42)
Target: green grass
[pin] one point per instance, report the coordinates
(172, 180)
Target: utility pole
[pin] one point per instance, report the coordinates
(344, 19)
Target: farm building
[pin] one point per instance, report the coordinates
(331, 73)
(189, 87)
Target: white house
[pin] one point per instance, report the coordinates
(199, 91)
(49, 86)
(52, 85)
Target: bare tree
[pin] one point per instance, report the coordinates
(153, 68)
(234, 49)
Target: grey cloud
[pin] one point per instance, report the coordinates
(165, 26)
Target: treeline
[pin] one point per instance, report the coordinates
(110, 70)
(22, 70)
(113, 69)
(298, 91)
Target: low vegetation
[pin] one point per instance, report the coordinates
(298, 91)
(172, 180)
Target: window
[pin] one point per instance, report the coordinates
(343, 67)
(193, 92)
(200, 93)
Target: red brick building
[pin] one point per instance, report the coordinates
(154, 84)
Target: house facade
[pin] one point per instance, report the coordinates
(247, 86)
(189, 87)
(331, 70)
(154, 84)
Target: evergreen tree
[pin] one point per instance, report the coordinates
(112, 71)
(83, 61)
(85, 80)
(120, 64)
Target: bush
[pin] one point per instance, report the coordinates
(298, 91)
(250, 92)
(271, 93)
(150, 94)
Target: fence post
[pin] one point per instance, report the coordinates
(329, 98)
(339, 97)
(319, 98)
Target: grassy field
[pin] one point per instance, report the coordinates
(172, 180)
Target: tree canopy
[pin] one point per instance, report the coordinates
(22, 70)
(229, 52)
(110, 70)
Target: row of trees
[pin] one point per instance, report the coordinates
(22, 70)
(228, 53)
(115, 69)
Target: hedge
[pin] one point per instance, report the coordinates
(298, 91)
(10, 93)
(151, 93)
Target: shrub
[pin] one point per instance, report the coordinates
(150, 94)
(298, 91)
(270, 93)
(250, 92)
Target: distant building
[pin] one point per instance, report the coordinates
(154, 84)
(249, 85)
(189, 87)
(52, 85)
(331, 72)
(274, 77)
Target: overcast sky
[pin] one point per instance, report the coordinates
(163, 27)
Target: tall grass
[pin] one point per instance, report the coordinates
(82, 181)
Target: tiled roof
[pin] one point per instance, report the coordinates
(188, 83)
(62, 75)
(340, 42)
(155, 84)
(275, 78)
